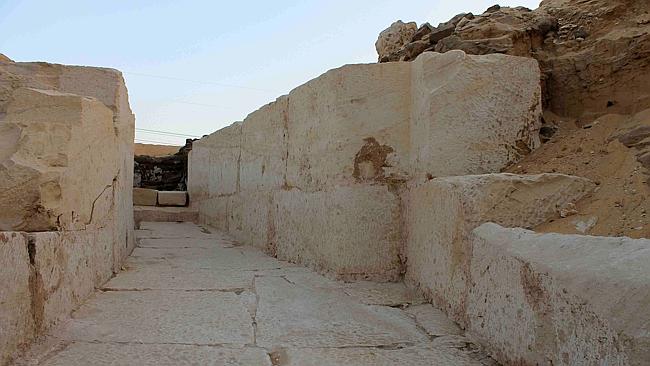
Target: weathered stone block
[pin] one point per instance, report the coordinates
(350, 124)
(69, 265)
(350, 232)
(145, 197)
(560, 299)
(66, 163)
(472, 114)
(16, 317)
(441, 213)
(172, 198)
(214, 163)
(251, 219)
(263, 160)
(165, 214)
(214, 212)
(345, 144)
(61, 159)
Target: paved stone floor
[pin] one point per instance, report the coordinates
(191, 296)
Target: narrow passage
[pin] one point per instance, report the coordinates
(192, 296)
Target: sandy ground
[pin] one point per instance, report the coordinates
(619, 205)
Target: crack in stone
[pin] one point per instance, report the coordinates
(284, 277)
(237, 291)
(254, 314)
(234, 346)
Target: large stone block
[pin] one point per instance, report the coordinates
(172, 198)
(16, 317)
(263, 160)
(214, 164)
(69, 265)
(145, 197)
(66, 163)
(350, 124)
(350, 232)
(441, 213)
(214, 212)
(108, 87)
(251, 219)
(61, 159)
(164, 214)
(472, 114)
(560, 299)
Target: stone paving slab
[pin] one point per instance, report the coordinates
(184, 243)
(200, 258)
(162, 276)
(187, 317)
(78, 354)
(389, 294)
(290, 315)
(201, 299)
(433, 320)
(410, 356)
(175, 230)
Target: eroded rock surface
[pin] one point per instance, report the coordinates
(593, 54)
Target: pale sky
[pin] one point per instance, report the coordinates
(193, 67)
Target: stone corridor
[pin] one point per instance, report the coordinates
(190, 295)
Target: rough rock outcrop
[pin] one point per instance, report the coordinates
(560, 299)
(594, 54)
(392, 38)
(316, 176)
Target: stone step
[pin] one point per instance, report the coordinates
(164, 214)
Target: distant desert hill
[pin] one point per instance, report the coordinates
(155, 150)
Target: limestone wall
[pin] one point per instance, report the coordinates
(317, 176)
(560, 299)
(66, 172)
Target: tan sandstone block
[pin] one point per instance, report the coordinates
(16, 318)
(213, 212)
(61, 161)
(172, 198)
(145, 197)
(214, 164)
(561, 299)
(441, 213)
(350, 124)
(251, 219)
(69, 266)
(264, 147)
(165, 214)
(350, 232)
(472, 114)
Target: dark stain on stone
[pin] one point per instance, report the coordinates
(536, 294)
(36, 287)
(370, 161)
